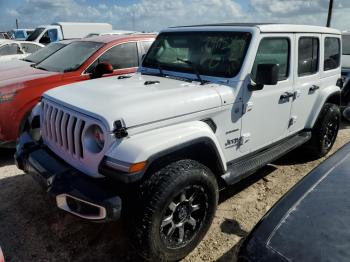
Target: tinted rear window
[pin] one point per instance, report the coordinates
(331, 53)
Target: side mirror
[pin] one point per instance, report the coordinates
(266, 74)
(101, 69)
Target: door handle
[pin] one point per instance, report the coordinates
(313, 88)
(286, 95)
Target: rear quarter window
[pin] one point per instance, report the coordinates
(331, 53)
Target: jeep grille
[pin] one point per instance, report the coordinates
(61, 128)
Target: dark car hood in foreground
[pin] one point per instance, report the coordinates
(311, 222)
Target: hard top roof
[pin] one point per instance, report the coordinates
(263, 27)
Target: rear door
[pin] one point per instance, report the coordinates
(266, 112)
(306, 78)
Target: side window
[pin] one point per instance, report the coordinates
(120, 56)
(273, 51)
(10, 49)
(53, 35)
(331, 53)
(308, 56)
(30, 48)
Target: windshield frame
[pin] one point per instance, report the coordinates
(189, 73)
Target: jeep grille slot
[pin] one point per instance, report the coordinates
(62, 129)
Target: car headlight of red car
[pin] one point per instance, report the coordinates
(7, 97)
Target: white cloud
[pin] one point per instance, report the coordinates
(155, 15)
(12, 12)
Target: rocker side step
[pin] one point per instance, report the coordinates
(245, 166)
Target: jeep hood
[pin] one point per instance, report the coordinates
(136, 100)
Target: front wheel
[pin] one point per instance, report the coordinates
(176, 208)
(325, 131)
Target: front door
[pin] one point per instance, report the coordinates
(266, 113)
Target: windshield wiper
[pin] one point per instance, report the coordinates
(160, 68)
(158, 65)
(27, 60)
(41, 68)
(195, 70)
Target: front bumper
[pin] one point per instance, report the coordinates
(89, 198)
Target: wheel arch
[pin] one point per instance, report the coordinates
(331, 94)
(192, 140)
(202, 150)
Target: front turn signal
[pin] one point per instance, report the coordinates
(137, 167)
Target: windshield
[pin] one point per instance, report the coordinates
(346, 44)
(44, 52)
(35, 34)
(218, 54)
(19, 34)
(71, 57)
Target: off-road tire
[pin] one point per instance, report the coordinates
(155, 204)
(325, 131)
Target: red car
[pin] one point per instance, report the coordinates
(21, 88)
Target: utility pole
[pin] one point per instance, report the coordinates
(17, 23)
(330, 12)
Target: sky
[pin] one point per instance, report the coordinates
(153, 15)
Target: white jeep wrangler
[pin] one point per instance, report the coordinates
(210, 105)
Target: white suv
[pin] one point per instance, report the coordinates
(210, 105)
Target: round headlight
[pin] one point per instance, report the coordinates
(94, 139)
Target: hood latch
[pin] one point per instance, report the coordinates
(119, 130)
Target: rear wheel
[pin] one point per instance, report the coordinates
(176, 208)
(325, 131)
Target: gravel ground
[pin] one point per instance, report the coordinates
(32, 229)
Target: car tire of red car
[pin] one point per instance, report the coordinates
(325, 131)
(175, 209)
